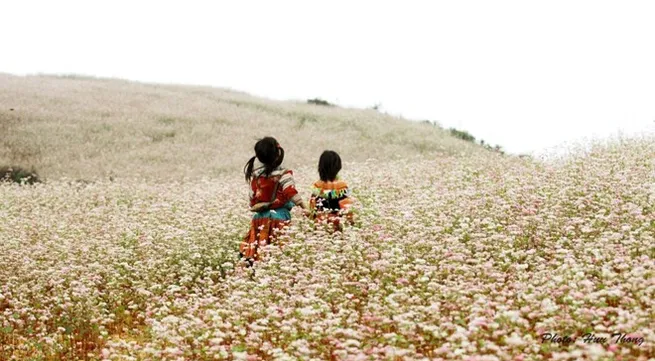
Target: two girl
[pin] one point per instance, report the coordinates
(273, 194)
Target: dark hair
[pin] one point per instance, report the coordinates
(329, 165)
(267, 151)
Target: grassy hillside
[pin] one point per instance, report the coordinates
(89, 128)
(473, 257)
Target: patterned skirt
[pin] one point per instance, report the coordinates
(333, 222)
(264, 228)
(333, 219)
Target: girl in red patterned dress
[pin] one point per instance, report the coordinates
(330, 195)
(272, 195)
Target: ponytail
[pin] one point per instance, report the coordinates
(269, 168)
(269, 152)
(247, 169)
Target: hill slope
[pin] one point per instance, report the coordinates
(91, 128)
(474, 257)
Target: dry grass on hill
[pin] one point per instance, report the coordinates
(94, 128)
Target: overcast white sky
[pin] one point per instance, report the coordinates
(523, 74)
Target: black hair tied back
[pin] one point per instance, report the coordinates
(247, 169)
(269, 153)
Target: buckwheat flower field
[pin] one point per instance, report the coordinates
(456, 255)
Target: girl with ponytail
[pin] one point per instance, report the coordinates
(272, 195)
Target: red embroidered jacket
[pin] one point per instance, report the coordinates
(261, 187)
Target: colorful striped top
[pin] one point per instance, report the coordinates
(330, 196)
(262, 187)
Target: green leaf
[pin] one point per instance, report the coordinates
(239, 348)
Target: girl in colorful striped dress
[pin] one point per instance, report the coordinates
(272, 195)
(330, 198)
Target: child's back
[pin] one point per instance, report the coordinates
(330, 195)
(272, 195)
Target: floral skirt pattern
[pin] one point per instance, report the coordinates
(333, 220)
(264, 227)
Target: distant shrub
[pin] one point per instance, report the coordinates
(18, 175)
(496, 148)
(317, 101)
(376, 107)
(431, 122)
(461, 134)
